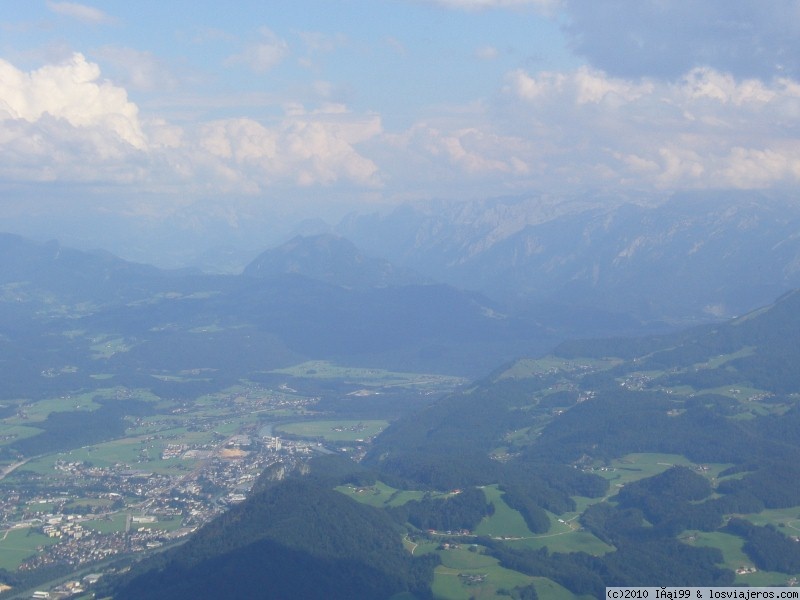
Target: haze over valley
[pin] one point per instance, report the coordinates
(415, 299)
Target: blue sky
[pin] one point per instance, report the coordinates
(145, 108)
(393, 58)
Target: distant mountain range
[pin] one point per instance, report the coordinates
(540, 271)
(693, 257)
(331, 259)
(313, 298)
(589, 264)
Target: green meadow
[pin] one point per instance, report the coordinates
(729, 545)
(333, 431)
(633, 467)
(786, 520)
(466, 574)
(564, 535)
(505, 522)
(18, 544)
(382, 495)
(322, 369)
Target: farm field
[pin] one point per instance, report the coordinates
(333, 431)
(633, 467)
(138, 452)
(466, 574)
(505, 522)
(320, 369)
(766, 579)
(729, 545)
(117, 523)
(18, 544)
(785, 519)
(569, 540)
(564, 535)
(382, 495)
(111, 524)
(546, 588)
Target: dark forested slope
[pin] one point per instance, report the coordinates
(295, 539)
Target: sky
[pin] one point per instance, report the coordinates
(146, 108)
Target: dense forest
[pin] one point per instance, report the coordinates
(462, 511)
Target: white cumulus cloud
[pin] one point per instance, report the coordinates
(71, 91)
(441, 156)
(705, 129)
(304, 148)
(63, 122)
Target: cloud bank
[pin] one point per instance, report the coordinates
(706, 129)
(584, 128)
(63, 122)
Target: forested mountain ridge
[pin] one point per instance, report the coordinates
(741, 367)
(759, 348)
(722, 399)
(295, 539)
(64, 276)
